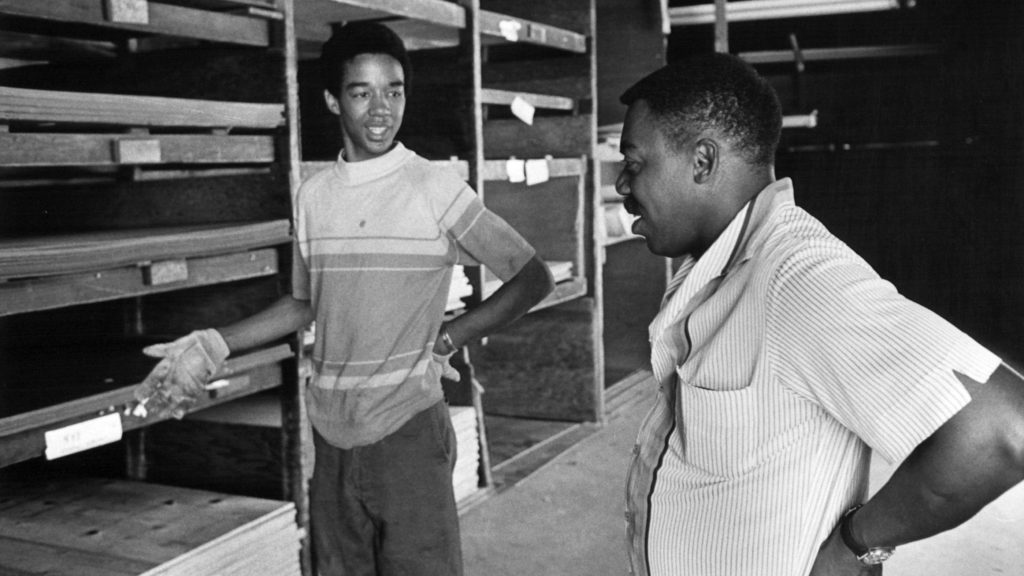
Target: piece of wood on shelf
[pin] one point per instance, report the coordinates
(99, 527)
(163, 19)
(500, 28)
(493, 96)
(58, 255)
(421, 23)
(57, 107)
(27, 150)
(22, 436)
(842, 53)
(49, 293)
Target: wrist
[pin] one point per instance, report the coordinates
(867, 555)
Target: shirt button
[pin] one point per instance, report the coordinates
(636, 449)
(629, 516)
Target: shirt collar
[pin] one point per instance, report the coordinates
(360, 172)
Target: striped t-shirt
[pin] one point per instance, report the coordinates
(782, 360)
(375, 245)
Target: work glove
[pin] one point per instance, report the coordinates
(186, 366)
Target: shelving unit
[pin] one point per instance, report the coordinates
(146, 178)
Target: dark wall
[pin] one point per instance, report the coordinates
(917, 163)
(630, 44)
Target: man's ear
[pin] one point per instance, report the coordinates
(332, 103)
(705, 160)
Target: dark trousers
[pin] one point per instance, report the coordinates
(387, 509)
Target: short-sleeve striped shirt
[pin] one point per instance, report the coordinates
(782, 360)
(375, 245)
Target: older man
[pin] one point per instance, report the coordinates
(783, 360)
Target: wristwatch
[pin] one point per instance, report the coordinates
(868, 556)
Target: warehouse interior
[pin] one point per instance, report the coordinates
(150, 155)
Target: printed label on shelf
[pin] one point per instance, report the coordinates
(523, 110)
(83, 436)
(510, 29)
(516, 170)
(536, 172)
(128, 11)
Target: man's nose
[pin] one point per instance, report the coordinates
(622, 183)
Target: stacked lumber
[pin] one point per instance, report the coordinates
(465, 480)
(97, 527)
(52, 255)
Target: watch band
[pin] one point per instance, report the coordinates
(446, 338)
(866, 555)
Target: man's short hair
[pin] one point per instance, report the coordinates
(357, 38)
(714, 91)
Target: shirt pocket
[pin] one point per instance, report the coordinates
(723, 425)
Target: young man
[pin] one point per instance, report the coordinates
(783, 359)
(376, 237)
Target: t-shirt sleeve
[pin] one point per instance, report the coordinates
(482, 237)
(879, 363)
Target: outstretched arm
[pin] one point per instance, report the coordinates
(281, 318)
(968, 462)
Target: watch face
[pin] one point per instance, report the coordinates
(876, 556)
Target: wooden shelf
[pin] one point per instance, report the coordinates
(421, 23)
(101, 527)
(496, 28)
(162, 19)
(22, 436)
(492, 96)
(61, 255)
(53, 107)
(37, 294)
(26, 150)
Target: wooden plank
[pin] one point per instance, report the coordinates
(26, 150)
(421, 23)
(494, 96)
(501, 28)
(36, 294)
(22, 435)
(98, 403)
(58, 255)
(168, 529)
(554, 135)
(165, 19)
(29, 105)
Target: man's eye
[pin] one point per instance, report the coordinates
(359, 95)
(396, 94)
(629, 166)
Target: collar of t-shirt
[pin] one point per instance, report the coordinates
(356, 173)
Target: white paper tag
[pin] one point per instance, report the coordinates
(510, 29)
(523, 110)
(516, 170)
(536, 172)
(83, 436)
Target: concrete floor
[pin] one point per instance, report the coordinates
(566, 519)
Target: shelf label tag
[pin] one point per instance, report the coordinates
(510, 29)
(165, 272)
(516, 170)
(536, 172)
(83, 436)
(128, 11)
(137, 151)
(523, 110)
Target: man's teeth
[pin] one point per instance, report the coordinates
(378, 130)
